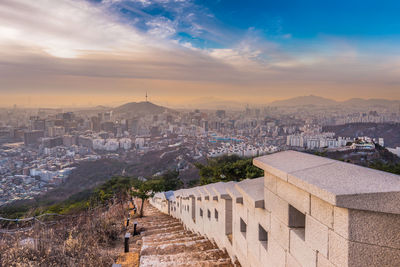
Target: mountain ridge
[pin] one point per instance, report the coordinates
(304, 101)
(322, 101)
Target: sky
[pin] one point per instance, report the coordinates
(90, 52)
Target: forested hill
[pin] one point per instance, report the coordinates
(140, 108)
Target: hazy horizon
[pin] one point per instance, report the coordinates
(212, 103)
(109, 52)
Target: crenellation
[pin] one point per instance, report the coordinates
(294, 215)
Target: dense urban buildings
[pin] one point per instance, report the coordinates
(40, 147)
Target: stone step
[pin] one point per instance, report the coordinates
(175, 240)
(161, 226)
(176, 247)
(164, 231)
(169, 237)
(185, 263)
(166, 243)
(211, 254)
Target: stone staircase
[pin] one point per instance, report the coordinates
(166, 243)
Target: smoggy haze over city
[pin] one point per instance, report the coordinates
(112, 51)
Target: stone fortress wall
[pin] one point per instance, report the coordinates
(305, 211)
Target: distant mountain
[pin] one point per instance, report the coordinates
(216, 103)
(305, 101)
(91, 111)
(370, 102)
(321, 101)
(101, 107)
(147, 108)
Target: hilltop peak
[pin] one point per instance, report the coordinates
(143, 107)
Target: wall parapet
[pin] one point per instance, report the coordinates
(338, 183)
(305, 211)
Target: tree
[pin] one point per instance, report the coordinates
(228, 168)
(116, 188)
(145, 190)
(171, 181)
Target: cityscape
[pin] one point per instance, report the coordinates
(40, 147)
(197, 133)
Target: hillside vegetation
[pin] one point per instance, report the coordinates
(228, 168)
(89, 227)
(79, 185)
(116, 188)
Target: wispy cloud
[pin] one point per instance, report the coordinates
(43, 40)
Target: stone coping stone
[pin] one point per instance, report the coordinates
(201, 190)
(338, 183)
(160, 195)
(185, 193)
(221, 189)
(282, 163)
(189, 192)
(235, 194)
(194, 193)
(253, 189)
(178, 193)
(210, 191)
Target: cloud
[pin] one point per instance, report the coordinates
(161, 27)
(75, 46)
(287, 36)
(91, 34)
(66, 28)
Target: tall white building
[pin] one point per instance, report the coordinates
(295, 140)
(316, 141)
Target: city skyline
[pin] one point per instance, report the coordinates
(84, 53)
(215, 103)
